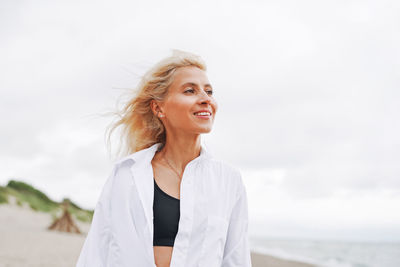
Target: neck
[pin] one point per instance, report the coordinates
(180, 151)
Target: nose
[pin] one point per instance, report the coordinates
(205, 98)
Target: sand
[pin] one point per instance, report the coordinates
(25, 241)
(260, 260)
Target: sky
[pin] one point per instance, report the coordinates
(307, 91)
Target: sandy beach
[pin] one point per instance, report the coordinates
(260, 260)
(25, 241)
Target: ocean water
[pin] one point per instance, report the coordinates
(331, 253)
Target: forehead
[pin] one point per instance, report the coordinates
(190, 74)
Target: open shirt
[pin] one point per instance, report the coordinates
(213, 224)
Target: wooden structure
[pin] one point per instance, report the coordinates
(65, 222)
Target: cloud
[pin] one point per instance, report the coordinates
(307, 94)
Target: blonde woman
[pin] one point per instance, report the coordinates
(168, 202)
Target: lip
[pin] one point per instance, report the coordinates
(204, 117)
(203, 110)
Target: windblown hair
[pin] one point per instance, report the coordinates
(140, 127)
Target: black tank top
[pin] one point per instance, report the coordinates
(166, 217)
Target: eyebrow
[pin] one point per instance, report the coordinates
(196, 85)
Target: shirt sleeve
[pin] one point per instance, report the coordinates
(95, 248)
(237, 250)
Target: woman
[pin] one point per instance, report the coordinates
(169, 202)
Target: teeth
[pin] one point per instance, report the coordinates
(203, 113)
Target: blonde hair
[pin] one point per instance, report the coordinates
(140, 127)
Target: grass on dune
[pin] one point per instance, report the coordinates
(38, 201)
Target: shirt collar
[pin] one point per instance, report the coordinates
(148, 153)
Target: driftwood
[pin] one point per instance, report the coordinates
(65, 222)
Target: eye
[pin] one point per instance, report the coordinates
(189, 90)
(210, 92)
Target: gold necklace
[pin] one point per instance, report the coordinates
(171, 167)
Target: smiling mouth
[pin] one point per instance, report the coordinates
(203, 114)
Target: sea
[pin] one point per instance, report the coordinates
(331, 253)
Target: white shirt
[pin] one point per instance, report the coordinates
(213, 224)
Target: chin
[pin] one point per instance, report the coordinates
(207, 130)
(200, 129)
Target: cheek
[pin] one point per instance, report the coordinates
(215, 104)
(180, 107)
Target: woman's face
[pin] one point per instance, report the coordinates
(189, 94)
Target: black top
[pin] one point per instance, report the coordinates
(166, 217)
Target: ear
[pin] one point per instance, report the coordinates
(155, 107)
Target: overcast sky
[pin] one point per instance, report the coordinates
(308, 95)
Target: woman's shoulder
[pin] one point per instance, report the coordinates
(226, 169)
(224, 165)
(128, 160)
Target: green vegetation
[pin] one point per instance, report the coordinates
(3, 195)
(38, 201)
(80, 214)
